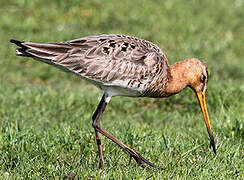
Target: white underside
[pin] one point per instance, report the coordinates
(111, 90)
(120, 91)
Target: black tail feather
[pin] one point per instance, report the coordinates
(22, 50)
(18, 43)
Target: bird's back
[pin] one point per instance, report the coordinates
(118, 64)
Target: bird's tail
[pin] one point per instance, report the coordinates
(22, 50)
(42, 51)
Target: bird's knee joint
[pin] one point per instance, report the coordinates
(95, 125)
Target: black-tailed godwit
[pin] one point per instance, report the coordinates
(122, 65)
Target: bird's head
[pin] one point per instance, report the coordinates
(197, 75)
(198, 80)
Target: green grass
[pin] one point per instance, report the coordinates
(45, 114)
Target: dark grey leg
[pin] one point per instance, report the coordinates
(96, 125)
(95, 122)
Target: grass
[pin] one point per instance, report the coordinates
(45, 114)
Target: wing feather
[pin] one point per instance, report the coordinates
(116, 60)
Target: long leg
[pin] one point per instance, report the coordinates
(96, 125)
(95, 120)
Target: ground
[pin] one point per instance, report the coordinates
(45, 114)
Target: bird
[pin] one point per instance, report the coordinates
(123, 65)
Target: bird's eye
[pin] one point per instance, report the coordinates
(203, 78)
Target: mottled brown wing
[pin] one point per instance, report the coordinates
(109, 59)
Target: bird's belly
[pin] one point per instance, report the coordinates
(112, 90)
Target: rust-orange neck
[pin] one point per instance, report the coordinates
(178, 77)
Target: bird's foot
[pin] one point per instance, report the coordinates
(102, 164)
(141, 161)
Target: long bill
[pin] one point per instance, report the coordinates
(201, 96)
